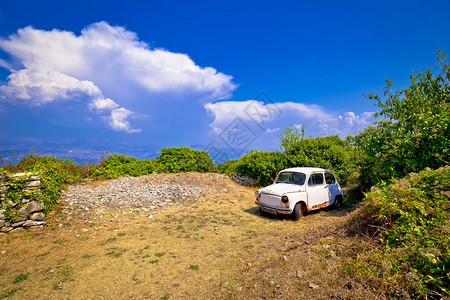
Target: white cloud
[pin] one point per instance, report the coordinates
(39, 86)
(101, 63)
(103, 104)
(118, 120)
(277, 115)
(5, 64)
(272, 130)
(350, 118)
(257, 111)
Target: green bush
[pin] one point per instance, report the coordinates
(262, 166)
(227, 167)
(55, 174)
(412, 130)
(328, 152)
(184, 159)
(116, 165)
(410, 218)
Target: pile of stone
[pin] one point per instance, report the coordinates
(128, 192)
(27, 213)
(242, 180)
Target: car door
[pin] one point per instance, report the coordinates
(333, 187)
(317, 190)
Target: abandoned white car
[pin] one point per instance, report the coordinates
(299, 190)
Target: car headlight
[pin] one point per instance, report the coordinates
(285, 199)
(258, 193)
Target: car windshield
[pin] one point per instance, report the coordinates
(291, 177)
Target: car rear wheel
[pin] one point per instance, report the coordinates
(337, 202)
(299, 210)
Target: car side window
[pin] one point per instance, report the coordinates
(329, 178)
(315, 179)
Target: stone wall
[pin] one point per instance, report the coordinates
(28, 214)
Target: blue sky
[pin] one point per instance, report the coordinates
(219, 73)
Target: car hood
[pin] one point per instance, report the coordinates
(282, 188)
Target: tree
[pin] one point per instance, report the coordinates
(411, 131)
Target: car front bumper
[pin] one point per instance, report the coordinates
(273, 209)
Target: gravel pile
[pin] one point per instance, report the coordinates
(129, 192)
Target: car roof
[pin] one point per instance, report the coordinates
(305, 170)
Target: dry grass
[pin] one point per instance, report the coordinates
(218, 246)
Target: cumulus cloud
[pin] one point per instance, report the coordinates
(102, 67)
(118, 120)
(351, 119)
(103, 104)
(277, 115)
(262, 113)
(259, 111)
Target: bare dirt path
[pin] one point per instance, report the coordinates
(211, 244)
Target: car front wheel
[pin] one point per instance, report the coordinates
(299, 210)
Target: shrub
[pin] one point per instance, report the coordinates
(116, 165)
(409, 218)
(262, 166)
(328, 152)
(55, 174)
(227, 167)
(184, 159)
(412, 130)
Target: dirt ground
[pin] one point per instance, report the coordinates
(216, 246)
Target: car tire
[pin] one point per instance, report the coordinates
(337, 204)
(299, 211)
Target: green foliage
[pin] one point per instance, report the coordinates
(54, 173)
(116, 165)
(20, 278)
(262, 166)
(184, 159)
(329, 152)
(412, 130)
(227, 167)
(411, 218)
(10, 292)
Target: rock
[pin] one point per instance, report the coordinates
(21, 218)
(300, 274)
(313, 286)
(36, 228)
(17, 230)
(32, 184)
(17, 224)
(2, 217)
(38, 217)
(2, 223)
(284, 257)
(271, 282)
(29, 223)
(33, 206)
(6, 229)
